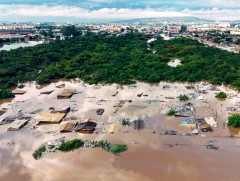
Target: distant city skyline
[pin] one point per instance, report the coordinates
(112, 10)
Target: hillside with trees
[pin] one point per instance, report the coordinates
(122, 59)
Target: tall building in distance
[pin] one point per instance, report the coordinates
(183, 29)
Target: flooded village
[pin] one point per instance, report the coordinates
(193, 143)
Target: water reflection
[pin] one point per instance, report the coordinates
(147, 157)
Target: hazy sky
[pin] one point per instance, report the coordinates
(108, 10)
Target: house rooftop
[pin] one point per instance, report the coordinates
(68, 126)
(49, 118)
(17, 125)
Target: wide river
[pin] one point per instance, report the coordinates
(149, 157)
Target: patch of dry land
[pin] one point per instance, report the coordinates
(152, 154)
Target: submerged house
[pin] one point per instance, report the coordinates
(66, 94)
(17, 125)
(2, 111)
(18, 92)
(205, 127)
(87, 127)
(62, 110)
(49, 118)
(188, 122)
(211, 121)
(68, 126)
(186, 110)
(112, 128)
(166, 87)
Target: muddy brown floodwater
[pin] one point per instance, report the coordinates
(150, 156)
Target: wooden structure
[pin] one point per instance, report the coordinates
(18, 92)
(49, 118)
(66, 94)
(17, 125)
(68, 126)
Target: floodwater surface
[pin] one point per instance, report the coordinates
(150, 156)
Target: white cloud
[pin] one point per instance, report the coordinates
(215, 13)
(75, 12)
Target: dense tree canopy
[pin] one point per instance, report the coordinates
(121, 59)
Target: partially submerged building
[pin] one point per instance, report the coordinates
(68, 126)
(49, 118)
(66, 94)
(166, 87)
(100, 111)
(186, 110)
(112, 128)
(87, 126)
(47, 92)
(65, 109)
(211, 121)
(205, 127)
(2, 111)
(189, 122)
(17, 125)
(18, 92)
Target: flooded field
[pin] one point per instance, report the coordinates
(150, 155)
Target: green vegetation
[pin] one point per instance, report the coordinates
(183, 98)
(111, 59)
(234, 120)
(71, 145)
(114, 149)
(69, 31)
(171, 113)
(38, 153)
(221, 95)
(118, 149)
(77, 143)
(126, 122)
(5, 93)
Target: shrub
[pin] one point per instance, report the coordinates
(38, 153)
(71, 145)
(171, 113)
(183, 98)
(126, 122)
(234, 120)
(118, 149)
(221, 95)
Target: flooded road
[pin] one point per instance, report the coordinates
(150, 155)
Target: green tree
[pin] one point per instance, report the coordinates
(69, 31)
(221, 95)
(234, 120)
(6, 93)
